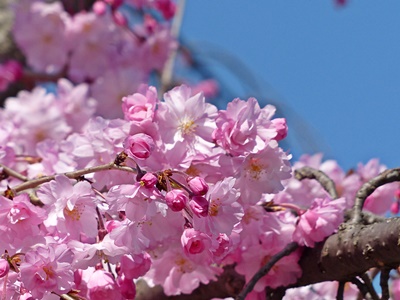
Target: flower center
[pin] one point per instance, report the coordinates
(187, 127)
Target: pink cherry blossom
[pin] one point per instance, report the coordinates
(134, 266)
(139, 146)
(46, 269)
(176, 200)
(186, 118)
(198, 186)
(102, 285)
(71, 208)
(140, 106)
(43, 30)
(319, 221)
(263, 172)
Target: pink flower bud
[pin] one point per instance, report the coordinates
(135, 265)
(394, 208)
(194, 241)
(198, 186)
(99, 8)
(199, 206)
(102, 285)
(176, 200)
(281, 128)
(148, 180)
(127, 287)
(139, 145)
(4, 267)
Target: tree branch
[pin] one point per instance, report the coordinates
(265, 269)
(11, 172)
(388, 176)
(384, 283)
(321, 177)
(73, 175)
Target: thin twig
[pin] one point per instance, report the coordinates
(371, 290)
(340, 291)
(311, 173)
(384, 283)
(73, 175)
(388, 176)
(15, 174)
(166, 76)
(265, 269)
(362, 288)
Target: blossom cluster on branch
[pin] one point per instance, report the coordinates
(105, 182)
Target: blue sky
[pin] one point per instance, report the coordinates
(336, 70)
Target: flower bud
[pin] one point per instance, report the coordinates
(4, 267)
(198, 186)
(281, 128)
(194, 241)
(176, 200)
(139, 145)
(148, 180)
(394, 208)
(102, 285)
(199, 206)
(127, 287)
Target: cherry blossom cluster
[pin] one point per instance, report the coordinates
(105, 46)
(171, 194)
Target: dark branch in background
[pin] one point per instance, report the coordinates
(340, 291)
(388, 176)
(370, 288)
(265, 269)
(362, 288)
(321, 177)
(384, 282)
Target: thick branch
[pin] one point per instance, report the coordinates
(351, 252)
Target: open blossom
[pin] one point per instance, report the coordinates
(43, 30)
(71, 208)
(187, 118)
(177, 273)
(46, 269)
(224, 212)
(263, 172)
(237, 128)
(322, 218)
(102, 285)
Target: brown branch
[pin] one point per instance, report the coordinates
(362, 288)
(388, 176)
(11, 172)
(321, 177)
(384, 283)
(370, 288)
(340, 291)
(351, 252)
(73, 175)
